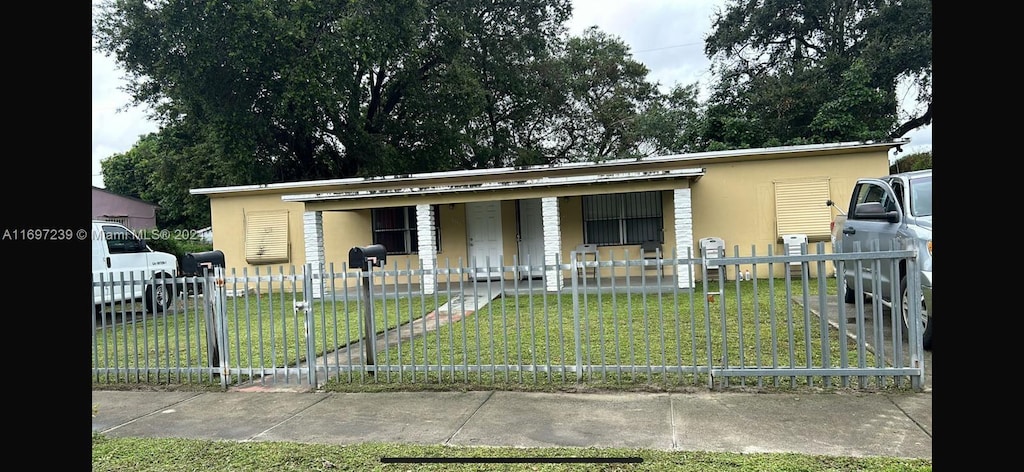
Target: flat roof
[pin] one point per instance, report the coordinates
(507, 175)
(540, 182)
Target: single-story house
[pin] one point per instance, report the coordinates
(749, 198)
(129, 211)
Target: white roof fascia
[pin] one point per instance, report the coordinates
(525, 184)
(540, 168)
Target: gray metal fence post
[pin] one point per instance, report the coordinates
(915, 336)
(575, 274)
(306, 305)
(369, 338)
(216, 315)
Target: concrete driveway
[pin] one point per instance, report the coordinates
(884, 328)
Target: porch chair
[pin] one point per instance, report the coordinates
(712, 248)
(792, 244)
(584, 252)
(651, 251)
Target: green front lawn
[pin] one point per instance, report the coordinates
(642, 331)
(160, 455)
(263, 331)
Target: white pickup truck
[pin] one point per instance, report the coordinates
(895, 208)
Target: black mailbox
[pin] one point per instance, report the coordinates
(364, 257)
(194, 262)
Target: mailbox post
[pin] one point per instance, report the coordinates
(204, 264)
(365, 258)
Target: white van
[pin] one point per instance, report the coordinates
(129, 269)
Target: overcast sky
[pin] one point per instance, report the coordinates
(666, 35)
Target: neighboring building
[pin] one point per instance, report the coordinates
(750, 198)
(129, 211)
(205, 234)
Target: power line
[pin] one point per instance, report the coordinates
(667, 47)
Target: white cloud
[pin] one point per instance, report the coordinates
(666, 35)
(114, 130)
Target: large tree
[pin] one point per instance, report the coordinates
(162, 167)
(607, 93)
(797, 71)
(315, 89)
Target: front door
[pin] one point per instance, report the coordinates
(483, 227)
(531, 238)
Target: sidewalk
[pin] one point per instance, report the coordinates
(840, 424)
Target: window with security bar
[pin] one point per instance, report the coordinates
(622, 218)
(123, 220)
(395, 229)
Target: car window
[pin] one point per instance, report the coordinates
(870, 193)
(121, 241)
(921, 196)
(897, 188)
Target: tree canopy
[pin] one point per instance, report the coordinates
(794, 71)
(260, 91)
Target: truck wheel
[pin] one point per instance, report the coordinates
(926, 324)
(849, 296)
(159, 296)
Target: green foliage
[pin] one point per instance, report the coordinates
(164, 240)
(287, 91)
(816, 71)
(607, 91)
(916, 161)
(161, 169)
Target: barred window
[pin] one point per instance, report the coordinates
(395, 228)
(622, 218)
(121, 220)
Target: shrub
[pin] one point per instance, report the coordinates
(160, 240)
(916, 161)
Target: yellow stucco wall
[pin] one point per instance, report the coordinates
(732, 200)
(228, 221)
(736, 201)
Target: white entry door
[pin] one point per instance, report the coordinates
(531, 237)
(483, 227)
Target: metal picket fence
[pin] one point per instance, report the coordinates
(610, 323)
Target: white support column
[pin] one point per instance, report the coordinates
(683, 211)
(552, 242)
(427, 247)
(313, 239)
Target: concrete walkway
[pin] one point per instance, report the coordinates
(869, 424)
(457, 308)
